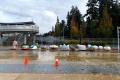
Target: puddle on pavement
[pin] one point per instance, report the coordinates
(38, 58)
(62, 55)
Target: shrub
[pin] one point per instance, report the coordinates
(71, 41)
(102, 43)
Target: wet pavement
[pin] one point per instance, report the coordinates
(66, 68)
(12, 61)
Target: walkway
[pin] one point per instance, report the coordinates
(27, 76)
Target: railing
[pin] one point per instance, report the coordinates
(33, 28)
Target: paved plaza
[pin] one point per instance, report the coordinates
(72, 65)
(28, 76)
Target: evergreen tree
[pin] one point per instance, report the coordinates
(92, 18)
(105, 27)
(68, 24)
(74, 28)
(57, 28)
(114, 11)
(115, 14)
(74, 20)
(62, 27)
(93, 9)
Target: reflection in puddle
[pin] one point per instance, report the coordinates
(63, 68)
(44, 61)
(26, 59)
(48, 56)
(15, 54)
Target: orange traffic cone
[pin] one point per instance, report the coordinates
(26, 60)
(56, 62)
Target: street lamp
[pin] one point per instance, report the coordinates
(63, 34)
(118, 37)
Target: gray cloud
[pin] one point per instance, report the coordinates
(43, 12)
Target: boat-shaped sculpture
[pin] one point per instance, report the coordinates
(25, 47)
(64, 47)
(100, 47)
(33, 47)
(43, 47)
(81, 47)
(107, 48)
(53, 47)
(95, 47)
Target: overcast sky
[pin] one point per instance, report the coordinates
(42, 12)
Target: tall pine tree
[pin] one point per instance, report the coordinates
(105, 27)
(92, 18)
(57, 28)
(74, 21)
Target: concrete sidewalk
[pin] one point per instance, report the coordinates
(29, 76)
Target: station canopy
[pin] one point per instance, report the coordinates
(19, 27)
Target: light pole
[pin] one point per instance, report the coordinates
(63, 34)
(118, 37)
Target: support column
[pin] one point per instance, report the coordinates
(34, 38)
(25, 39)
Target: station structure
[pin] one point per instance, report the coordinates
(23, 32)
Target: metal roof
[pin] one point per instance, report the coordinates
(19, 23)
(19, 27)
